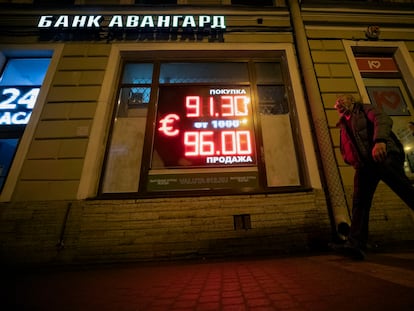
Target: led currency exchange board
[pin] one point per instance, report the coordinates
(204, 128)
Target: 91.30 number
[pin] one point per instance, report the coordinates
(231, 143)
(226, 106)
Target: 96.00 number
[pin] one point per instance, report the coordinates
(203, 143)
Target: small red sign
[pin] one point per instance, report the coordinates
(376, 64)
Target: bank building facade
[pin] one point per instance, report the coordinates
(138, 130)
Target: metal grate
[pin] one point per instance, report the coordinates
(272, 100)
(242, 222)
(139, 96)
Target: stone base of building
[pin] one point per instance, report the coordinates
(67, 232)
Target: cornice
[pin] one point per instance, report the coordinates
(358, 17)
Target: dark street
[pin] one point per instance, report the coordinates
(385, 281)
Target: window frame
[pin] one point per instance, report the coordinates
(54, 51)
(404, 79)
(161, 58)
(401, 56)
(100, 130)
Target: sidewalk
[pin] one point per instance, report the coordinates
(385, 281)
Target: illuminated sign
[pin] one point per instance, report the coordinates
(131, 21)
(376, 64)
(16, 104)
(203, 127)
(131, 27)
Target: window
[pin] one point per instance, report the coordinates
(388, 92)
(383, 83)
(185, 126)
(20, 83)
(387, 84)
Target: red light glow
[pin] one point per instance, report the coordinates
(167, 125)
(193, 105)
(204, 126)
(202, 143)
(228, 106)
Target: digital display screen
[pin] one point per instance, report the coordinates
(16, 104)
(200, 126)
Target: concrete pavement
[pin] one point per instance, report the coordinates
(325, 281)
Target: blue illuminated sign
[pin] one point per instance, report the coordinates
(16, 104)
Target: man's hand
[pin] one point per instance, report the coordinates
(379, 152)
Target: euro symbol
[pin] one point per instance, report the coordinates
(166, 125)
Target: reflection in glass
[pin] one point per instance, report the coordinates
(20, 84)
(7, 151)
(269, 73)
(137, 73)
(272, 100)
(24, 71)
(131, 99)
(203, 72)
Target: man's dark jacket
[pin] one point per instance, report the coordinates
(366, 127)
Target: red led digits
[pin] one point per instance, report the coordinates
(226, 139)
(206, 127)
(206, 143)
(211, 106)
(192, 144)
(229, 106)
(228, 142)
(193, 104)
(198, 143)
(236, 142)
(240, 105)
(244, 144)
(202, 143)
(234, 106)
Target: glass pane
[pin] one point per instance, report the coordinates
(279, 151)
(268, 73)
(123, 164)
(272, 100)
(24, 71)
(7, 151)
(131, 99)
(20, 84)
(137, 74)
(204, 72)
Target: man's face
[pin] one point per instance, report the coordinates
(344, 104)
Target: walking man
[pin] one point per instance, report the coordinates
(369, 145)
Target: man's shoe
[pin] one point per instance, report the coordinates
(348, 250)
(354, 252)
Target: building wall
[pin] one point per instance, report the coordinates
(53, 165)
(45, 221)
(55, 159)
(127, 230)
